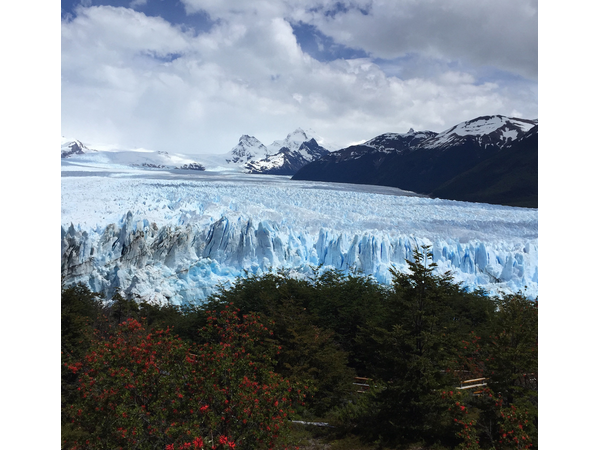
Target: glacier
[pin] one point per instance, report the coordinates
(168, 236)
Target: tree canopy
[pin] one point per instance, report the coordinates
(235, 370)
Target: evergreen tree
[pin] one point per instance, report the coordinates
(414, 351)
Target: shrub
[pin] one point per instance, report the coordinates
(141, 389)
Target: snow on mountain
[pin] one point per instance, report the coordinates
(248, 149)
(81, 157)
(427, 162)
(282, 157)
(295, 139)
(286, 161)
(394, 142)
(176, 238)
(267, 164)
(386, 143)
(73, 147)
(486, 130)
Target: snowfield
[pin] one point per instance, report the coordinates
(173, 235)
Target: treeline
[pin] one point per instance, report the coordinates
(274, 348)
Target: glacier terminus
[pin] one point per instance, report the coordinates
(175, 236)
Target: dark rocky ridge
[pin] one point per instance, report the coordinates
(498, 167)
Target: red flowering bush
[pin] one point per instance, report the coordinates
(512, 427)
(515, 428)
(143, 389)
(465, 421)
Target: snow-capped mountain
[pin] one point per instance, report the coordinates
(282, 157)
(294, 141)
(424, 161)
(380, 147)
(287, 161)
(248, 149)
(69, 148)
(509, 176)
(497, 131)
(394, 142)
(77, 156)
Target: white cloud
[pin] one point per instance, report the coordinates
(227, 9)
(486, 32)
(134, 80)
(135, 3)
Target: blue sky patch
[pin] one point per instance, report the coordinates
(322, 47)
(172, 12)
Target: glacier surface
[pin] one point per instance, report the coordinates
(171, 236)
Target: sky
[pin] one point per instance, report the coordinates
(192, 76)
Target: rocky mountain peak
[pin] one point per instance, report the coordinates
(484, 130)
(74, 147)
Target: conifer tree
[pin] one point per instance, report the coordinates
(413, 351)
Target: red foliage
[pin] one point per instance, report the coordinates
(141, 387)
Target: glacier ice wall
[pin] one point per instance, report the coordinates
(165, 239)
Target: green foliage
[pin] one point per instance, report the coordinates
(513, 349)
(344, 303)
(80, 309)
(308, 353)
(415, 341)
(505, 411)
(416, 349)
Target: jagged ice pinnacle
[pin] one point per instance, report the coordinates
(172, 239)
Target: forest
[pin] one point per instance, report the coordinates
(334, 361)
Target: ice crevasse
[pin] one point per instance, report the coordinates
(177, 240)
(184, 263)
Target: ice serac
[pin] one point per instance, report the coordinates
(177, 239)
(185, 263)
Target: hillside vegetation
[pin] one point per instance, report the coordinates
(236, 371)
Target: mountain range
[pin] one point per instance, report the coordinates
(490, 159)
(73, 152)
(282, 157)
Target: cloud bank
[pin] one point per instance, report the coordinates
(136, 80)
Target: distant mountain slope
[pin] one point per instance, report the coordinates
(72, 148)
(248, 149)
(424, 162)
(282, 157)
(497, 131)
(363, 163)
(509, 177)
(77, 154)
